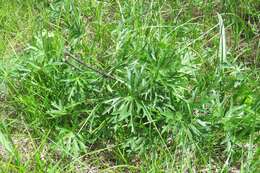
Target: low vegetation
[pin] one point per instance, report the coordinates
(129, 86)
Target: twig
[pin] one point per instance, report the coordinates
(102, 73)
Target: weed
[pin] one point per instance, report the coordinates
(137, 86)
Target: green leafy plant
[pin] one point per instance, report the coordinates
(130, 86)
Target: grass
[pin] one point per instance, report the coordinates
(129, 86)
